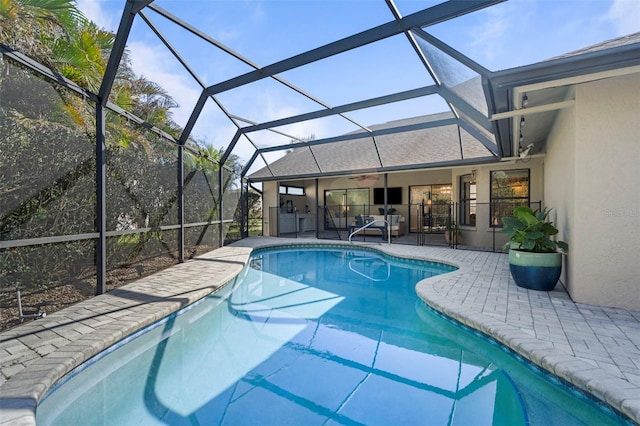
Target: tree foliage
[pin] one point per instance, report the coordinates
(47, 154)
(33, 26)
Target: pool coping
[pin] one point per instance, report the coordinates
(613, 392)
(41, 352)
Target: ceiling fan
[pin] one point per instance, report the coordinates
(364, 177)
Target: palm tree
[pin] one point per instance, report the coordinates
(83, 57)
(153, 104)
(55, 33)
(32, 26)
(208, 162)
(207, 165)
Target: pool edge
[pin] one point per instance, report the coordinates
(19, 402)
(21, 393)
(604, 387)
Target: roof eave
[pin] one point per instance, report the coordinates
(500, 84)
(570, 66)
(408, 167)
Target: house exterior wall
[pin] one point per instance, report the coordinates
(270, 198)
(560, 167)
(481, 235)
(601, 218)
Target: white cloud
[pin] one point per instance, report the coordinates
(156, 65)
(273, 109)
(491, 31)
(257, 106)
(93, 10)
(277, 108)
(625, 16)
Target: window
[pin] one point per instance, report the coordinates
(509, 189)
(291, 190)
(467, 213)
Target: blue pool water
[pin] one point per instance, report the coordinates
(314, 337)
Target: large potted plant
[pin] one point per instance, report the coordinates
(535, 260)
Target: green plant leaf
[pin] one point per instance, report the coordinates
(511, 225)
(522, 210)
(528, 218)
(563, 246)
(534, 235)
(549, 229)
(530, 231)
(542, 214)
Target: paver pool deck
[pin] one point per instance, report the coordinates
(594, 348)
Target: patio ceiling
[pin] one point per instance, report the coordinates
(480, 112)
(547, 88)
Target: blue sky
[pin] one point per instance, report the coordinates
(510, 34)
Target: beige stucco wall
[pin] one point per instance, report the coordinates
(595, 150)
(560, 168)
(481, 235)
(269, 199)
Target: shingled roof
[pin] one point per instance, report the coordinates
(452, 138)
(385, 149)
(608, 44)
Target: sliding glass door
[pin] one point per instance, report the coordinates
(343, 205)
(430, 207)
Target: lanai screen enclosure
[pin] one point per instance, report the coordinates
(93, 196)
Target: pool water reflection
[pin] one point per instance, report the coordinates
(314, 336)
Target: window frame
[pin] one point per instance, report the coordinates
(494, 213)
(468, 201)
(287, 190)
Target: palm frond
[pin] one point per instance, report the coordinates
(65, 12)
(8, 9)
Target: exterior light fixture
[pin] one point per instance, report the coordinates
(525, 100)
(524, 153)
(522, 122)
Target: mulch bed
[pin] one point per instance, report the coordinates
(56, 298)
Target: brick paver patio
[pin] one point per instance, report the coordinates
(596, 349)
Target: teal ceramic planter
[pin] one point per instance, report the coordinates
(535, 271)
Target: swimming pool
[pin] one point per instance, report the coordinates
(310, 336)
